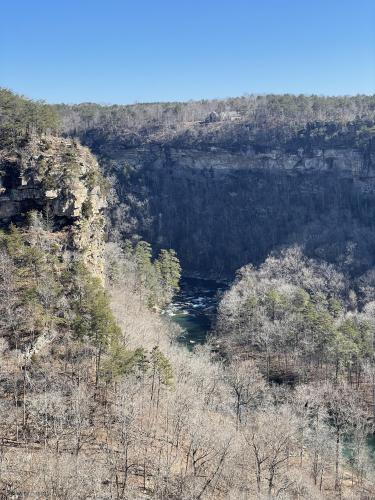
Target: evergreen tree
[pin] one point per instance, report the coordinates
(168, 266)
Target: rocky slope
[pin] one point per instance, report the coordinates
(61, 179)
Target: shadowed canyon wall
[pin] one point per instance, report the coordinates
(225, 182)
(220, 209)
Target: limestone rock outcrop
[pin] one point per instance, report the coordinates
(61, 179)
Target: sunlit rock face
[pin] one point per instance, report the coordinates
(61, 179)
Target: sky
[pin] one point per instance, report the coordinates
(126, 51)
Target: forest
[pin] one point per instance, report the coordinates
(268, 120)
(99, 399)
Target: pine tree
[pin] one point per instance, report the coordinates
(169, 269)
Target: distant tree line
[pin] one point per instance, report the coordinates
(221, 121)
(270, 119)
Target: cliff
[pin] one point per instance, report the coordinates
(61, 179)
(226, 182)
(221, 208)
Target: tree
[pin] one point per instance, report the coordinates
(345, 413)
(247, 386)
(94, 318)
(147, 276)
(122, 361)
(21, 116)
(9, 300)
(272, 440)
(158, 279)
(168, 266)
(352, 345)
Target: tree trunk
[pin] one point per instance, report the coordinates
(337, 461)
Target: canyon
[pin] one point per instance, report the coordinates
(98, 373)
(222, 207)
(225, 182)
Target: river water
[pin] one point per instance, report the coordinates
(194, 308)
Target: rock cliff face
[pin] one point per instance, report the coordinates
(61, 179)
(224, 182)
(221, 208)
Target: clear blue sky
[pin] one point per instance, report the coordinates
(122, 51)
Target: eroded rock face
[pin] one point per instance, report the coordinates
(61, 179)
(221, 208)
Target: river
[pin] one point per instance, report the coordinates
(194, 308)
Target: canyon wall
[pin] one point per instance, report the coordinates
(225, 182)
(221, 207)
